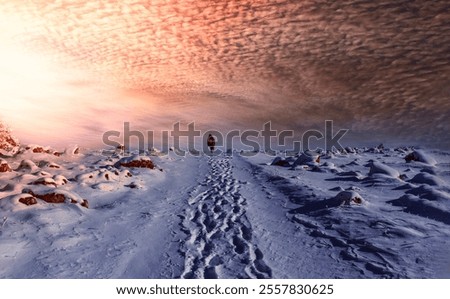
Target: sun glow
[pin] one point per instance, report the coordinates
(48, 102)
(33, 93)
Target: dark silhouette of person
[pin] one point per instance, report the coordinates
(211, 142)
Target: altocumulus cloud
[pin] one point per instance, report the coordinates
(380, 68)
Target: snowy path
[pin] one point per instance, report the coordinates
(227, 217)
(220, 237)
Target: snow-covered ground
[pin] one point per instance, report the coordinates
(367, 214)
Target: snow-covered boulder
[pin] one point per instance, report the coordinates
(328, 155)
(60, 180)
(9, 145)
(380, 168)
(45, 181)
(27, 165)
(4, 166)
(350, 150)
(348, 197)
(307, 158)
(155, 152)
(420, 156)
(135, 161)
(278, 161)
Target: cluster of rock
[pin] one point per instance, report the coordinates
(9, 145)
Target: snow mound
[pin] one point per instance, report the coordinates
(4, 166)
(422, 207)
(102, 176)
(353, 163)
(380, 168)
(420, 156)
(135, 161)
(10, 187)
(105, 186)
(9, 145)
(430, 193)
(48, 164)
(27, 165)
(331, 167)
(429, 170)
(426, 178)
(44, 173)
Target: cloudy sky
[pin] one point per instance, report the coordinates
(70, 70)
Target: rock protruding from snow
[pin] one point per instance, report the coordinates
(420, 156)
(28, 199)
(4, 166)
(380, 168)
(37, 149)
(51, 195)
(9, 145)
(74, 150)
(135, 161)
(85, 203)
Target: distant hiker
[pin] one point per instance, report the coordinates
(211, 142)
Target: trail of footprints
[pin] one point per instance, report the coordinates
(219, 236)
